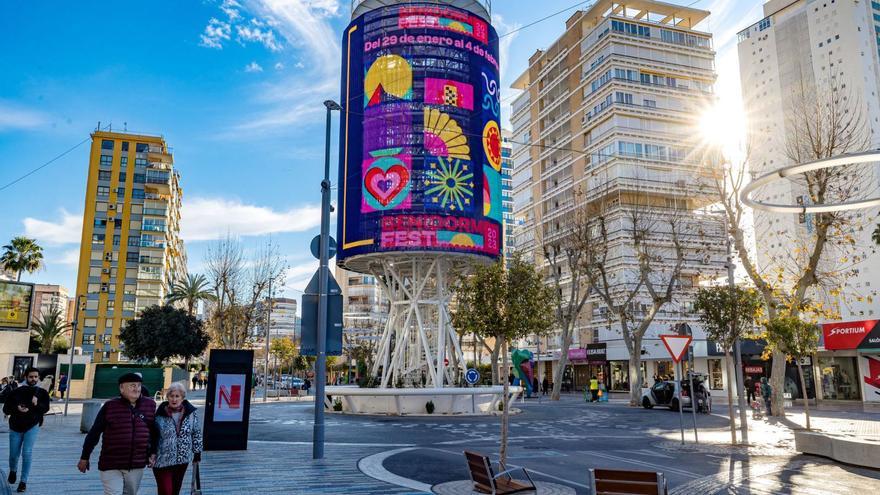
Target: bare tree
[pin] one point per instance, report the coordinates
(565, 254)
(240, 285)
(819, 124)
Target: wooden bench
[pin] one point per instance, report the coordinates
(618, 482)
(486, 481)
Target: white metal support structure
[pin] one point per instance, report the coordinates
(418, 338)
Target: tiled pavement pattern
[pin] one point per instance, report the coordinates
(264, 468)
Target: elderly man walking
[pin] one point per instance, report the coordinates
(128, 426)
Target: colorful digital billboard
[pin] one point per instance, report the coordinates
(15, 305)
(420, 141)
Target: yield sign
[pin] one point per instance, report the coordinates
(676, 345)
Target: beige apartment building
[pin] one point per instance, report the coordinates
(607, 118)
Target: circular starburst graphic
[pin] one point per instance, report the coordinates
(449, 184)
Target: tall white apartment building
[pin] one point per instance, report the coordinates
(607, 117)
(822, 45)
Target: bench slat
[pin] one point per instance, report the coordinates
(625, 487)
(620, 475)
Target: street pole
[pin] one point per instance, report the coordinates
(72, 351)
(268, 330)
(323, 284)
(678, 373)
(741, 400)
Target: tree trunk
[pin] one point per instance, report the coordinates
(505, 413)
(563, 361)
(731, 382)
(495, 373)
(804, 391)
(635, 372)
(777, 385)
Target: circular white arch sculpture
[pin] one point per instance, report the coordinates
(786, 172)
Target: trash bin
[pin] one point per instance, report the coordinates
(89, 413)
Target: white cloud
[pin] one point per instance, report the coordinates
(231, 9)
(255, 34)
(215, 33)
(504, 43)
(14, 116)
(212, 218)
(298, 276)
(69, 257)
(279, 66)
(253, 67)
(66, 230)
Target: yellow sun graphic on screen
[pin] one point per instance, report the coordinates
(388, 75)
(443, 136)
(462, 240)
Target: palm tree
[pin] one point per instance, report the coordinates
(22, 254)
(50, 325)
(876, 235)
(193, 289)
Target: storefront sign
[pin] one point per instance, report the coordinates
(754, 370)
(871, 378)
(852, 335)
(746, 347)
(596, 353)
(577, 354)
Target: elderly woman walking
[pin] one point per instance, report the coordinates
(180, 439)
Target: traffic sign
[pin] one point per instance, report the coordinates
(308, 346)
(315, 247)
(472, 376)
(676, 345)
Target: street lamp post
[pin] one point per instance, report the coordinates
(323, 284)
(72, 351)
(268, 330)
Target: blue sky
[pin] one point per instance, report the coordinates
(236, 89)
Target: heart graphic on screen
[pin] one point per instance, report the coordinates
(386, 185)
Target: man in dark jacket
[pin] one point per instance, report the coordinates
(129, 438)
(25, 407)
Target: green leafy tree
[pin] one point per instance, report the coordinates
(60, 346)
(190, 291)
(728, 314)
(22, 255)
(506, 304)
(284, 350)
(162, 332)
(799, 339)
(48, 327)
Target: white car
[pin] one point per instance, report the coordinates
(665, 394)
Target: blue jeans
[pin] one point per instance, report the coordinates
(22, 444)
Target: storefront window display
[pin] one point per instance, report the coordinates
(619, 375)
(716, 377)
(839, 378)
(665, 370)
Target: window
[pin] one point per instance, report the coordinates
(100, 223)
(122, 177)
(140, 178)
(120, 192)
(651, 103)
(716, 380)
(107, 338)
(133, 240)
(103, 191)
(123, 162)
(125, 146)
(128, 305)
(140, 162)
(141, 147)
(111, 305)
(97, 238)
(763, 24)
(107, 144)
(116, 240)
(104, 175)
(131, 257)
(137, 194)
(89, 339)
(621, 97)
(106, 160)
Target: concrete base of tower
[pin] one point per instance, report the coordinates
(414, 401)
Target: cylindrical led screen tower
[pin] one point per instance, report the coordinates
(420, 137)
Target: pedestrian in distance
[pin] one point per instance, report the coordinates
(180, 440)
(594, 389)
(128, 427)
(766, 394)
(307, 384)
(545, 384)
(535, 385)
(62, 384)
(750, 389)
(25, 407)
(195, 381)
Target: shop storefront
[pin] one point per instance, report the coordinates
(849, 367)
(588, 363)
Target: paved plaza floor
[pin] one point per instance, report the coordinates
(557, 442)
